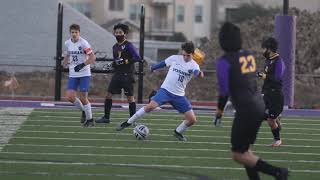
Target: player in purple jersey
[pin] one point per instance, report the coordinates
(125, 55)
(236, 74)
(272, 87)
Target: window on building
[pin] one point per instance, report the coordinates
(180, 14)
(198, 14)
(134, 12)
(116, 5)
(84, 8)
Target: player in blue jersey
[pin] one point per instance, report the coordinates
(236, 74)
(182, 69)
(78, 56)
(272, 87)
(125, 55)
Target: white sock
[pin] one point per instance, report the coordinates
(136, 116)
(182, 127)
(87, 110)
(78, 104)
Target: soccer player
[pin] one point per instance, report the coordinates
(78, 56)
(182, 69)
(125, 55)
(272, 87)
(236, 75)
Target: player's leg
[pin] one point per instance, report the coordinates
(274, 112)
(71, 94)
(128, 91)
(160, 98)
(84, 88)
(183, 105)
(113, 88)
(243, 134)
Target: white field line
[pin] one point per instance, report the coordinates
(166, 114)
(42, 118)
(153, 149)
(162, 129)
(167, 135)
(44, 173)
(158, 141)
(162, 124)
(17, 117)
(137, 165)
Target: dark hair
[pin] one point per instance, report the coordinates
(230, 37)
(270, 43)
(74, 27)
(121, 26)
(188, 47)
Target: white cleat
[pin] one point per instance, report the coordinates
(276, 143)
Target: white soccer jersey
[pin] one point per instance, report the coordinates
(78, 53)
(179, 74)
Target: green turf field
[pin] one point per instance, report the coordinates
(51, 144)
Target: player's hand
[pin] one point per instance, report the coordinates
(261, 75)
(121, 61)
(201, 74)
(79, 67)
(152, 69)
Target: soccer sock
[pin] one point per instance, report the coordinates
(252, 173)
(266, 168)
(136, 116)
(87, 110)
(132, 108)
(107, 108)
(182, 127)
(78, 104)
(276, 133)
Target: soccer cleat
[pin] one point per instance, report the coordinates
(83, 117)
(179, 136)
(122, 125)
(88, 123)
(283, 174)
(102, 120)
(279, 123)
(276, 143)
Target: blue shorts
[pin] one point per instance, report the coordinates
(180, 103)
(79, 83)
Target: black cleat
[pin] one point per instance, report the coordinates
(179, 136)
(283, 174)
(88, 123)
(83, 117)
(123, 125)
(102, 120)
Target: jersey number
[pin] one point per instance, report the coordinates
(180, 78)
(248, 64)
(75, 58)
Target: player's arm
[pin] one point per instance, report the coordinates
(158, 66)
(222, 68)
(90, 60)
(66, 57)
(278, 73)
(134, 53)
(198, 73)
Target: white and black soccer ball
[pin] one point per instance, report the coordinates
(141, 132)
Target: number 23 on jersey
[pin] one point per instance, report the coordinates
(248, 64)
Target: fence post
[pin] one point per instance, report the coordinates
(58, 57)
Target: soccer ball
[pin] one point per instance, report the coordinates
(141, 132)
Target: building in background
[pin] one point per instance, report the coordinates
(172, 20)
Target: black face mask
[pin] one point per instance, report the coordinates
(120, 38)
(266, 54)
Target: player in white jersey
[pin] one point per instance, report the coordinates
(182, 68)
(78, 57)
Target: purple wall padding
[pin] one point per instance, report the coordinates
(285, 33)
